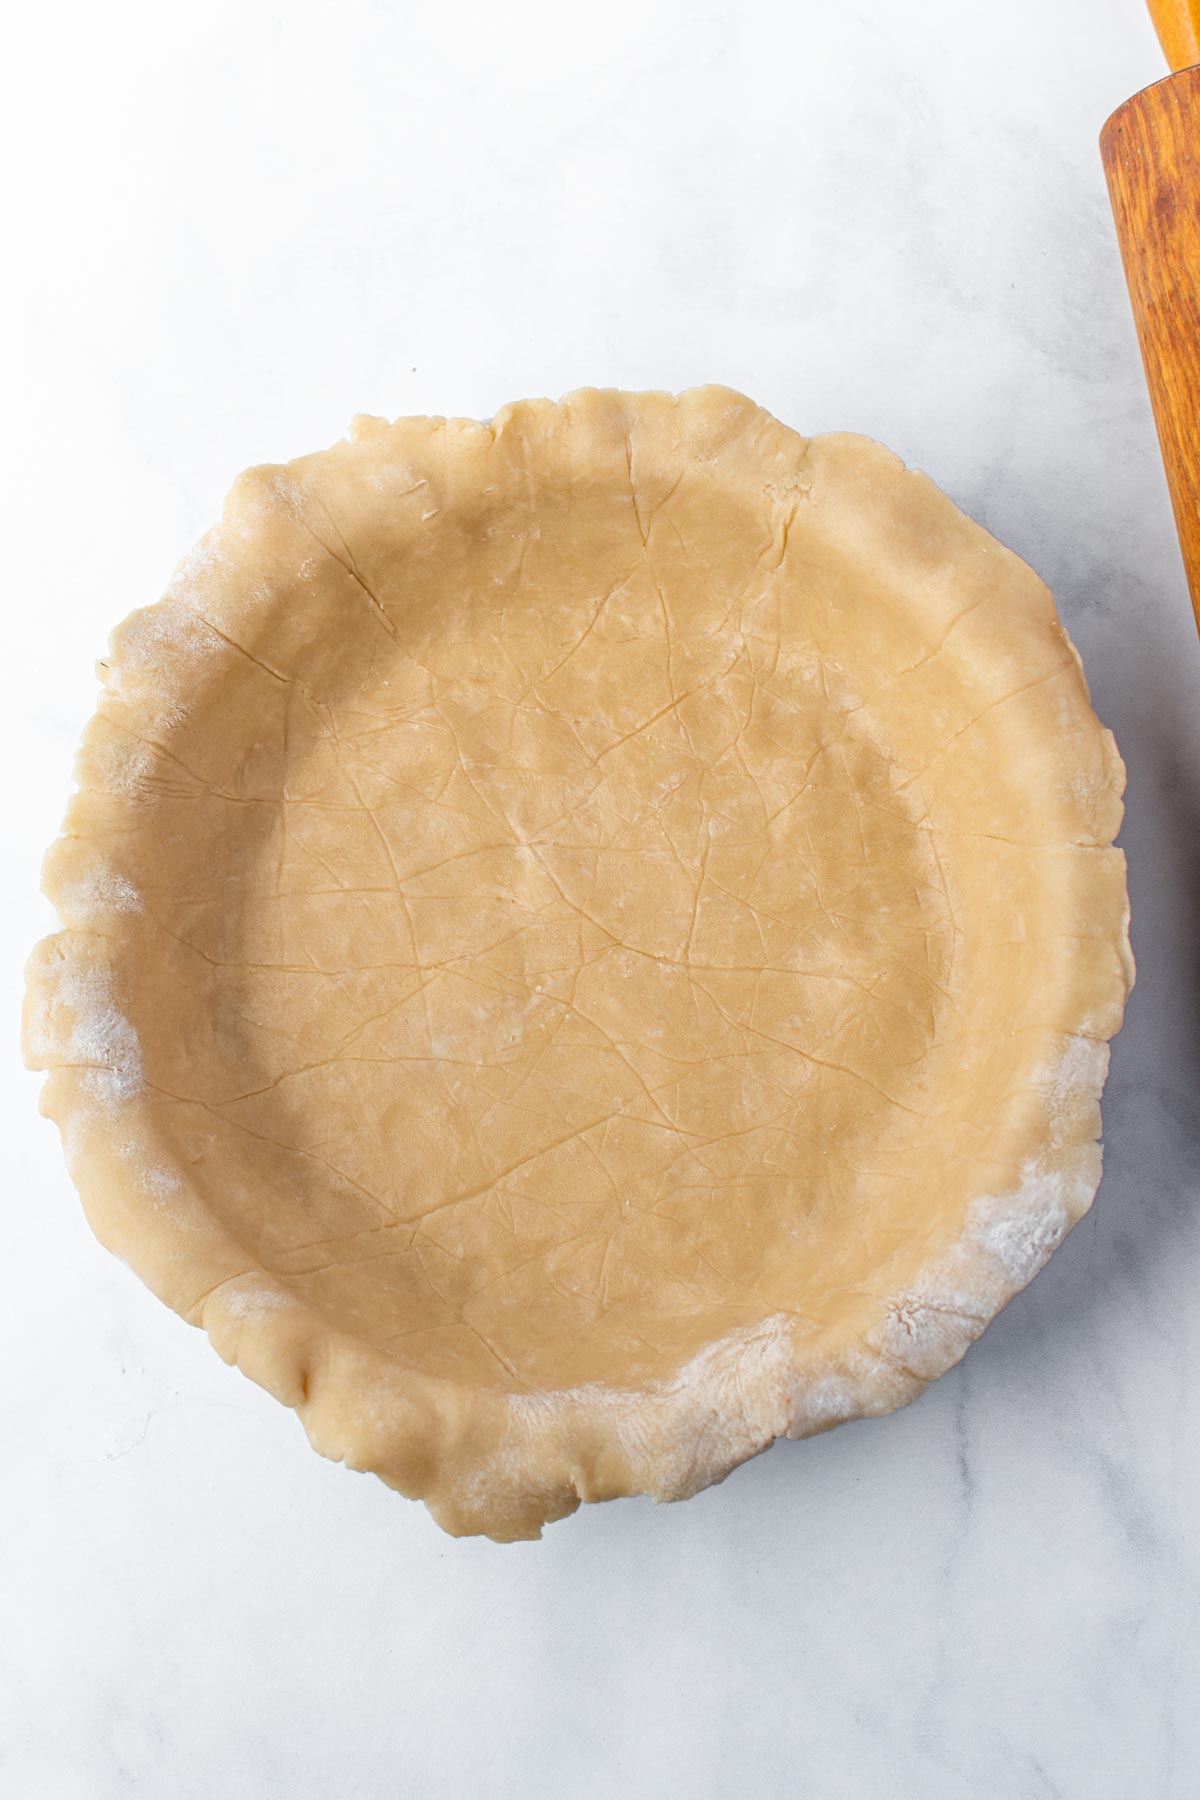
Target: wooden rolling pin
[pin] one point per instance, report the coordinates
(1151, 151)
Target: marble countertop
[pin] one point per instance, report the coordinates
(238, 225)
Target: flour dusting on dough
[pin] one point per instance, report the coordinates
(251, 1298)
(100, 889)
(156, 658)
(80, 1024)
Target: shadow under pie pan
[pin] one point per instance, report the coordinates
(589, 944)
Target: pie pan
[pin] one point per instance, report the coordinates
(589, 944)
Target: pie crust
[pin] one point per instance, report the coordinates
(589, 944)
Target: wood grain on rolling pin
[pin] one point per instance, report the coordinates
(1151, 150)
(1177, 23)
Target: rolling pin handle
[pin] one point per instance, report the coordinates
(1177, 23)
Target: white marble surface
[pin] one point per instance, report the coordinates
(239, 223)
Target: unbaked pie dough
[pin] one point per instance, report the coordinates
(589, 944)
